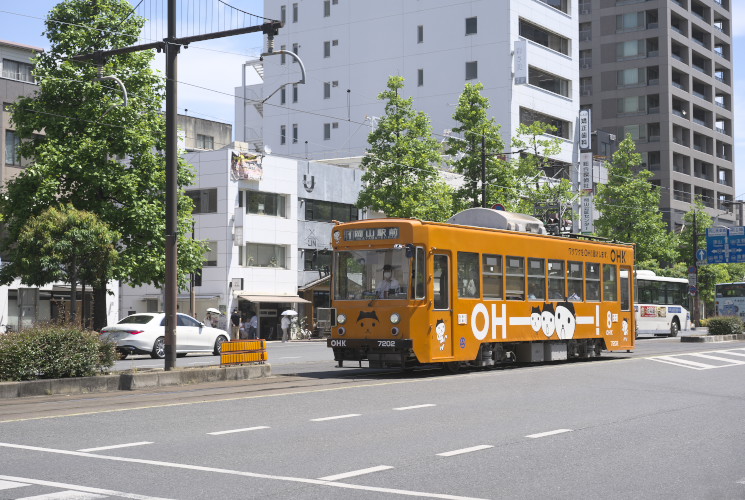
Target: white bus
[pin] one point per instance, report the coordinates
(730, 300)
(661, 304)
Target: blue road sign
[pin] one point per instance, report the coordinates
(737, 245)
(716, 245)
(701, 255)
(692, 290)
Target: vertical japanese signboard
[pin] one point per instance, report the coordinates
(585, 172)
(585, 125)
(588, 207)
(521, 62)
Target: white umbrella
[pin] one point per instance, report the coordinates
(213, 310)
(289, 312)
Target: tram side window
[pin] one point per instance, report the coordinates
(556, 280)
(576, 281)
(592, 273)
(492, 276)
(468, 275)
(625, 288)
(515, 272)
(610, 283)
(536, 279)
(441, 282)
(420, 273)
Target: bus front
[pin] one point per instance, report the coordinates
(377, 285)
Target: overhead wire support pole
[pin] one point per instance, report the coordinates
(172, 46)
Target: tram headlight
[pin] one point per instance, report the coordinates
(395, 318)
(341, 319)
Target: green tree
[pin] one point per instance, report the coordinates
(479, 152)
(629, 207)
(401, 175)
(96, 154)
(69, 245)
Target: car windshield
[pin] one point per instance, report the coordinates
(137, 319)
(371, 274)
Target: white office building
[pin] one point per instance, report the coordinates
(524, 52)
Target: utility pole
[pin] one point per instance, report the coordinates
(696, 305)
(483, 171)
(172, 46)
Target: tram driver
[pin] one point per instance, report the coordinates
(389, 284)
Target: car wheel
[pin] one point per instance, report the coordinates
(122, 354)
(159, 348)
(218, 345)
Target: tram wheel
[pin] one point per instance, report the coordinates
(451, 367)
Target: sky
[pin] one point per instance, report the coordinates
(209, 71)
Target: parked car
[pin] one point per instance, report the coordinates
(144, 333)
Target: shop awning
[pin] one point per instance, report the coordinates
(277, 299)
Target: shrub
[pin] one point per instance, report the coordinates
(54, 351)
(724, 325)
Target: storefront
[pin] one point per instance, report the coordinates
(269, 309)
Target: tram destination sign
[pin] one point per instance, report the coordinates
(376, 233)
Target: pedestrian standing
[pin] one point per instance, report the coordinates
(235, 324)
(243, 328)
(253, 326)
(285, 324)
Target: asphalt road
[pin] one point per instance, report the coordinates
(662, 422)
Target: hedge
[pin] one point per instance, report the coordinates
(724, 325)
(54, 351)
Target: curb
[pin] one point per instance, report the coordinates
(713, 338)
(128, 381)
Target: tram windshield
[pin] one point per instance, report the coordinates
(371, 274)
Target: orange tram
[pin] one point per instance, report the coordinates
(485, 288)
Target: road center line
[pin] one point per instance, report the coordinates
(549, 433)
(76, 487)
(354, 473)
(200, 468)
(335, 417)
(465, 450)
(114, 446)
(218, 433)
(414, 407)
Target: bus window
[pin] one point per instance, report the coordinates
(556, 279)
(515, 278)
(468, 275)
(576, 281)
(492, 276)
(625, 288)
(592, 273)
(536, 279)
(610, 283)
(420, 276)
(441, 282)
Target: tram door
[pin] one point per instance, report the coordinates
(441, 316)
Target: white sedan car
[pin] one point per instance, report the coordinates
(144, 333)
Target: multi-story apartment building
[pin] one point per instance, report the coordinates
(524, 52)
(662, 71)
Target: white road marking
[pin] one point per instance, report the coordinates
(173, 465)
(6, 485)
(78, 488)
(465, 450)
(218, 433)
(114, 446)
(732, 351)
(290, 357)
(65, 495)
(414, 407)
(334, 418)
(729, 361)
(682, 362)
(549, 433)
(354, 473)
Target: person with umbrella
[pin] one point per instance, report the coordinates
(212, 318)
(285, 324)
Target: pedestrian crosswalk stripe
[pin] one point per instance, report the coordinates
(721, 356)
(6, 485)
(65, 495)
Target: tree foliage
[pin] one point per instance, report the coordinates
(698, 219)
(629, 207)
(96, 154)
(401, 175)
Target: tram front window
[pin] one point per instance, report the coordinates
(371, 274)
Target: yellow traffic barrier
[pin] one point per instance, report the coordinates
(243, 351)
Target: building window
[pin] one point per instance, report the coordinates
(259, 255)
(420, 77)
(327, 49)
(327, 90)
(12, 141)
(210, 256)
(562, 5)
(283, 14)
(326, 211)
(282, 59)
(544, 37)
(259, 203)
(205, 141)
(294, 92)
(471, 26)
(296, 51)
(282, 134)
(16, 70)
(294, 133)
(283, 95)
(294, 13)
(205, 200)
(326, 131)
(562, 127)
(548, 81)
(472, 70)
(316, 260)
(420, 34)
(326, 8)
